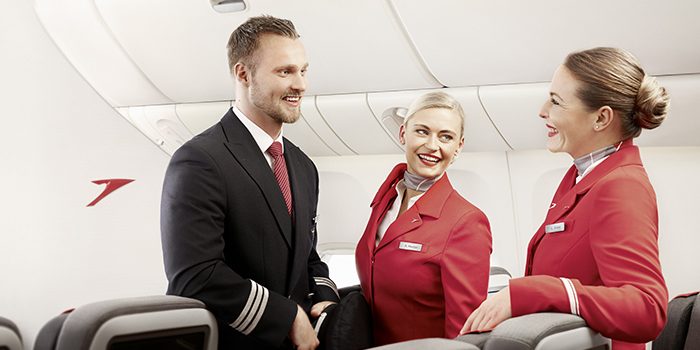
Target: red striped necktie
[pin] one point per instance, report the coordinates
(279, 167)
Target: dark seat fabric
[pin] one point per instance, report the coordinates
(675, 333)
(693, 339)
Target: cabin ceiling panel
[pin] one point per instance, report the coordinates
(79, 32)
(181, 45)
(479, 133)
(353, 121)
(514, 110)
(484, 42)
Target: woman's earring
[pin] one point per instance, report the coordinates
(596, 126)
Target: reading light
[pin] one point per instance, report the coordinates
(227, 6)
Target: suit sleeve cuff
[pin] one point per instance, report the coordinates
(266, 316)
(326, 290)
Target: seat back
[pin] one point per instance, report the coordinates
(675, 332)
(154, 322)
(693, 339)
(10, 338)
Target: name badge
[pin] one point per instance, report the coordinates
(552, 228)
(416, 247)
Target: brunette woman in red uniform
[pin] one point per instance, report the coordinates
(423, 260)
(596, 254)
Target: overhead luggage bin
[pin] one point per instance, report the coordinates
(197, 117)
(353, 121)
(479, 132)
(514, 111)
(320, 127)
(161, 125)
(466, 43)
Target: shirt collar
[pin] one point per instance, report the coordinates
(584, 162)
(400, 189)
(262, 139)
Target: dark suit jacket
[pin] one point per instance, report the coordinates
(229, 241)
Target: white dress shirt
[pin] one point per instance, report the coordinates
(262, 139)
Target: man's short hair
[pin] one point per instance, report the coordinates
(246, 38)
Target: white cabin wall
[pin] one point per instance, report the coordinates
(59, 135)
(673, 172)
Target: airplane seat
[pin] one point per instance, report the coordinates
(342, 292)
(693, 340)
(10, 339)
(540, 331)
(498, 279)
(48, 335)
(153, 322)
(683, 312)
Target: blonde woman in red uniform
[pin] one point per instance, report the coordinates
(596, 255)
(423, 260)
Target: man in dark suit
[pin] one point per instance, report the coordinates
(238, 212)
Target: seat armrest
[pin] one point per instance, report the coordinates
(540, 331)
(545, 331)
(428, 343)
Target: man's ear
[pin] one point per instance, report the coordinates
(604, 118)
(241, 73)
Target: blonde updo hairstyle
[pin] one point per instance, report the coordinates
(437, 99)
(613, 77)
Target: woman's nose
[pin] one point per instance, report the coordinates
(544, 110)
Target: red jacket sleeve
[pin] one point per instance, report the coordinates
(630, 304)
(465, 269)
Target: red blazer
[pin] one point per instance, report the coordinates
(431, 268)
(606, 254)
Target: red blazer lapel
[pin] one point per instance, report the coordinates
(430, 204)
(380, 205)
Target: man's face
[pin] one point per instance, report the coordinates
(278, 81)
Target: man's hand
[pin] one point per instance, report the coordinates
(302, 334)
(490, 313)
(318, 308)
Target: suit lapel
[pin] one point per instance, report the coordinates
(243, 148)
(302, 230)
(430, 204)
